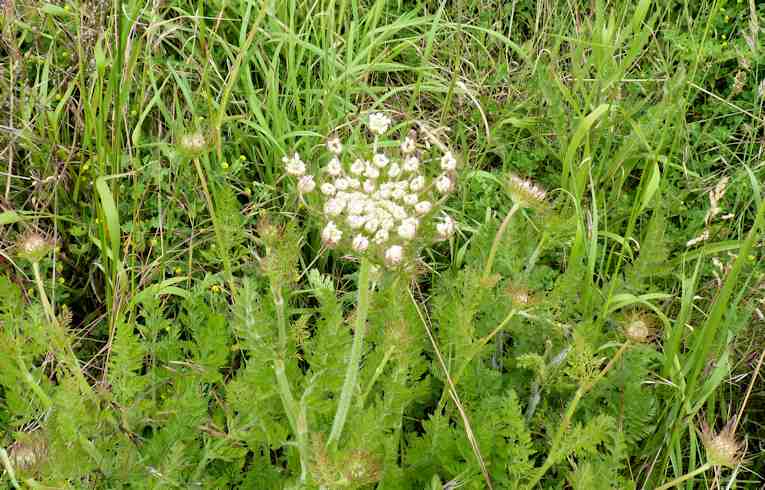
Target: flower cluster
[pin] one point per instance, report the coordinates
(384, 205)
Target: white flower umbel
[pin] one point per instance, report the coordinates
(294, 165)
(378, 123)
(379, 199)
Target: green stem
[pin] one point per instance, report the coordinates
(295, 417)
(498, 239)
(583, 389)
(687, 476)
(352, 372)
(217, 228)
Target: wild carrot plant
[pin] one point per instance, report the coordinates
(412, 244)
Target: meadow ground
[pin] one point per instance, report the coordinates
(382, 244)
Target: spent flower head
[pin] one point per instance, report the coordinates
(525, 193)
(723, 449)
(382, 198)
(34, 246)
(192, 144)
(639, 327)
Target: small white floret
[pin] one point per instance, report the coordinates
(356, 221)
(369, 186)
(334, 167)
(381, 236)
(417, 183)
(358, 166)
(394, 255)
(341, 184)
(380, 160)
(378, 123)
(327, 189)
(407, 230)
(334, 207)
(448, 162)
(423, 207)
(334, 145)
(360, 243)
(411, 164)
(331, 234)
(294, 165)
(444, 183)
(306, 184)
(408, 145)
(445, 228)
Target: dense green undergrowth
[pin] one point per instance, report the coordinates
(183, 326)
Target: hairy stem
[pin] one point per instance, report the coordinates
(60, 337)
(297, 422)
(352, 372)
(583, 389)
(498, 239)
(223, 251)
